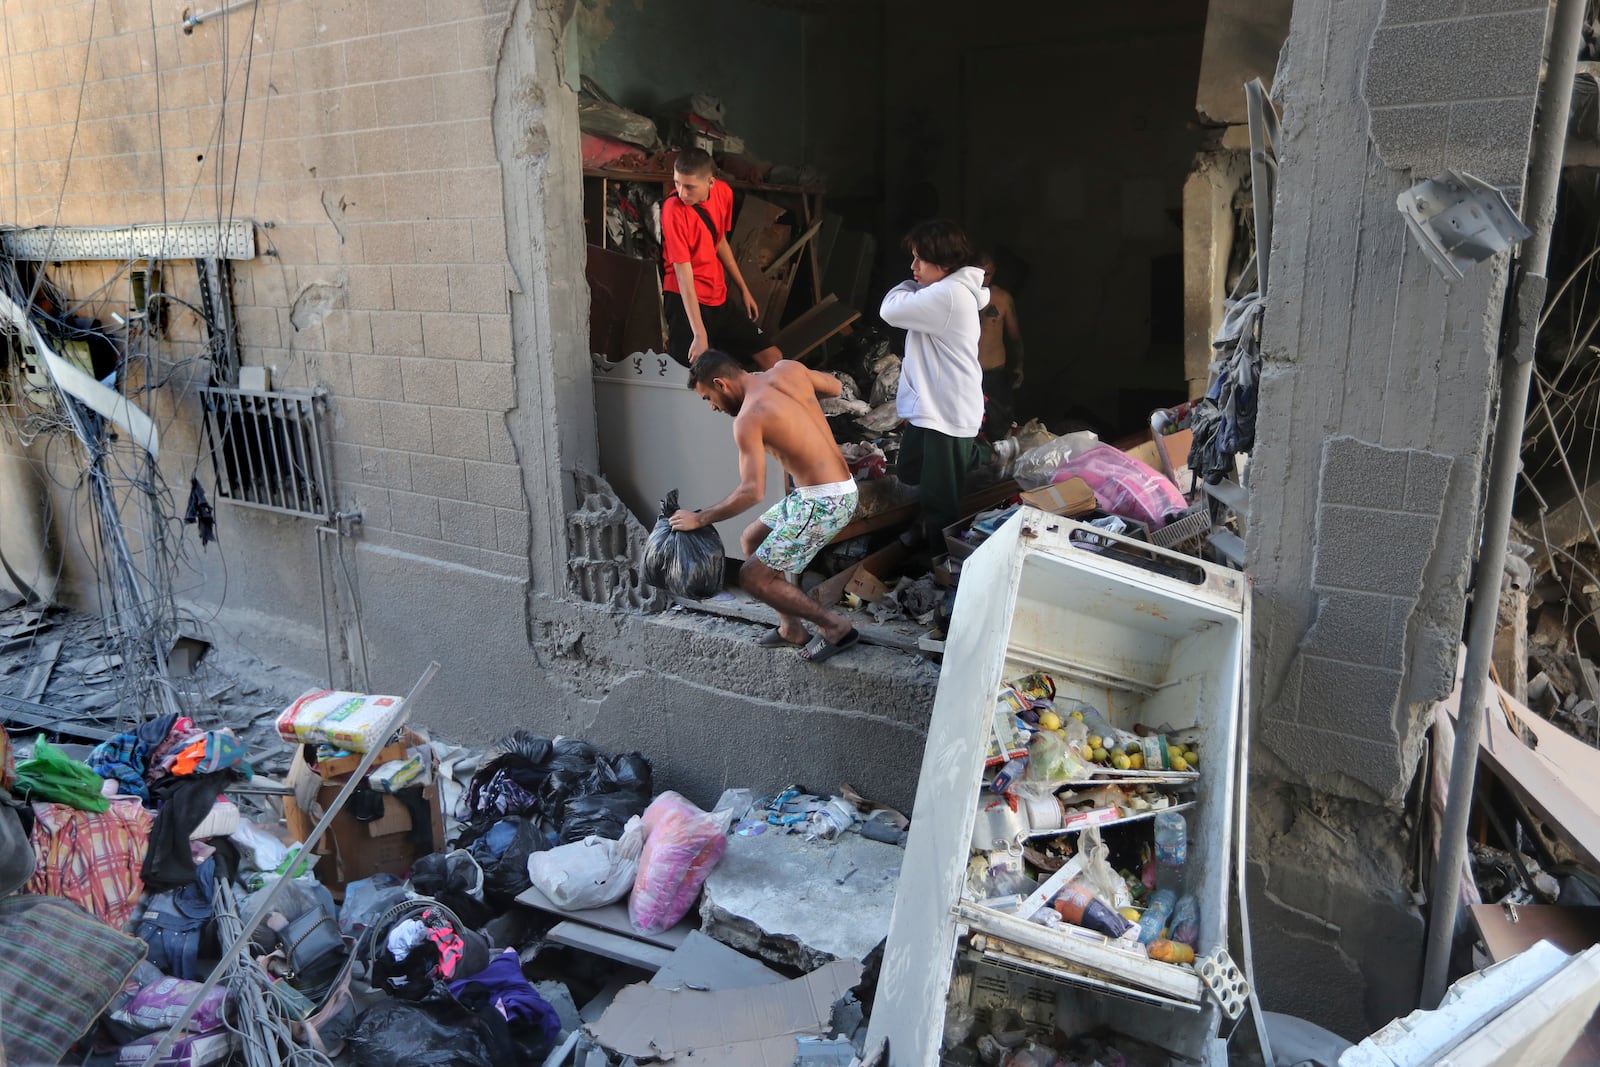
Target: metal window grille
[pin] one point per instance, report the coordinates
(267, 450)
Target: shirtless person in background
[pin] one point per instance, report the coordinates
(776, 411)
(999, 353)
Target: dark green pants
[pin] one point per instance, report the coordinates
(938, 464)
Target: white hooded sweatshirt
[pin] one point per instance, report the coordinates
(941, 383)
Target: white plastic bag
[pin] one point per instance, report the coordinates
(1037, 467)
(589, 873)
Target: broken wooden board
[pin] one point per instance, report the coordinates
(1571, 929)
(880, 564)
(1559, 779)
(815, 326)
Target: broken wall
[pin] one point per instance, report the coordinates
(412, 172)
(1365, 485)
(1064, 132)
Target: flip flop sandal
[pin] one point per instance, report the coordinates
(819, 649)
(774, 638)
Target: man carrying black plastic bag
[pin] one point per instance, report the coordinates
(776, 411)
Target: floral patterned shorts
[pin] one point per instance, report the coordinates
(804, 522)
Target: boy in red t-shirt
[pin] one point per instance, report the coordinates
(694, 237)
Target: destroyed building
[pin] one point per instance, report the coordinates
(389, 208)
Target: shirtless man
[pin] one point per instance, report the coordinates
(776, 411)
(999, 352)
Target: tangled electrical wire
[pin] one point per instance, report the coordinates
(131, 529)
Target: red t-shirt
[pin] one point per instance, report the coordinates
(685, 239)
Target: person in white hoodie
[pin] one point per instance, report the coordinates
(941, 381)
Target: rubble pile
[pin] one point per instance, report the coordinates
(394, 899)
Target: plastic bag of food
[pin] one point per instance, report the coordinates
(1124, 486)
(685, 562)
(52, 776)
(681, 845)
(1051, 759)
(589, 873)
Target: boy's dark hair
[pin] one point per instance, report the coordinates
(693, 161)
(940, 242)
(713, 363)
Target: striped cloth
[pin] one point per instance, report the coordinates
(62, 968)
(91, 858)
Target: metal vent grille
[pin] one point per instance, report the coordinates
(267, 450)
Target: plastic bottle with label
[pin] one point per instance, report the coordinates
(1172, 849)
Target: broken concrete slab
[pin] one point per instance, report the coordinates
(559, 997)
(704, 963)
(756, 1027)
(779, 896)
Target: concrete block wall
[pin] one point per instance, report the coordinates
(359, 138)
(1375, 405)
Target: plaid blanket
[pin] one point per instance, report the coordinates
(62, 967)
(92, 858)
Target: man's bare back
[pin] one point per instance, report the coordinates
(995, 323)
(780, 405)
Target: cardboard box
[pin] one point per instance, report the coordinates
(353, 849)
(867, 586)
(1071, 498)
(339, 766)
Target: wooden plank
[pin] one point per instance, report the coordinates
(794, 249)
(814, 326)
(617, 947)
(1571, 929)
(663, 177)
(612, 918)
(39, 674)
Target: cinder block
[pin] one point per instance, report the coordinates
(430, 50)
(1489, 138)
(1458, 59)
(1365, 475)
(376, 377)
(404, 15)
(486, 386)
(371, 59)
(1401, 12)
(473, 194)
(393, 468)
(1347, 698)
(406, 427)
(498, 484)
(475, 288)
(480, 39)
(370, 288)
(489, 240)
(1395, 650)
(494, 336)
(463, 95)
(403, 102)
(460, 433)
(1372, 551)
(477, 138)
(1351, 627)
(464, 523)
(436, 146)
(1411, 136)
(385, 242)
(429, 381)
(415, 514)
(440, 476)
(443, 242)
(421, 287)
(348, 331)
(397, 333)
(446, 335)
(320, 67)
(258, 326)
(358, 422)
(331, 370)
(501, 448)
(1427, 479)
(413, 197)
(511, 531)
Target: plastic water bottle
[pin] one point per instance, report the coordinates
(1156, 914)
(1172, 849)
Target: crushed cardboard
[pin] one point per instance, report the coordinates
(752, 1027)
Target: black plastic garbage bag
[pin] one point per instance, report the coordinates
(504, 858)
(687, 562)
(601, 815)
(393, 1032)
